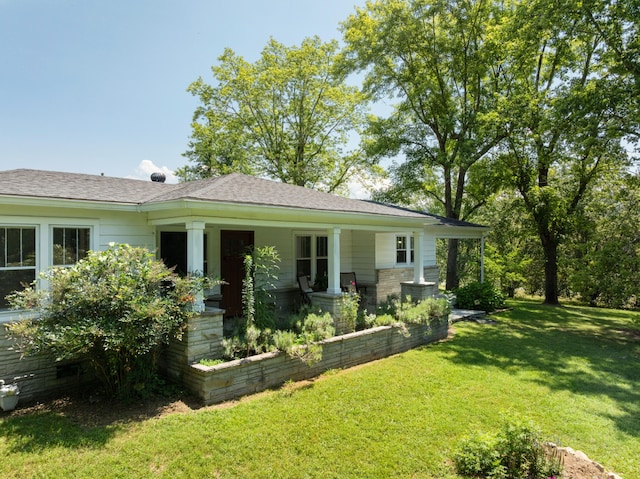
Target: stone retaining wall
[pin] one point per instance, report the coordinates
(201, 339)
(213, 384)
(39, 375)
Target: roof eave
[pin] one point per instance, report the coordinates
(272, 213)
(444, 231)
(49, 202)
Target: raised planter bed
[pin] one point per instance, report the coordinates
(214, 384)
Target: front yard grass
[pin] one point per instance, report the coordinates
(574, 371)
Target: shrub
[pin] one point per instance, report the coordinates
(254, 334)
(424, 311)
(317, 327)
(265, 266)
(482, 296)
(389, 306)
(349, 310)
(304, 345)
(284, 340)
(384, 320)
(479, 456)
(113, 308)
(516, 452)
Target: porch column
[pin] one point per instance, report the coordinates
(418, 260)
(333, 266)
(195, 256)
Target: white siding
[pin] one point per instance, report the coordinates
(385, 248)
(282, 240)
(429, 246)
(126, 228)
(363, 256)
(347, 244)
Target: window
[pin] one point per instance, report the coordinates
(405, 249)
(70, 245)
(173, 251)
(17, 260)
(312, 256)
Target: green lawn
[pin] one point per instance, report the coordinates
(574, 371)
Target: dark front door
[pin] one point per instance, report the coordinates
(234, 245)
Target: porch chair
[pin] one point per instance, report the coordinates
(305, 288)
(348, 282)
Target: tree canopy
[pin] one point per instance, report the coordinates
(537, 97)
(288, 116)
(567, 118)
(438, 61)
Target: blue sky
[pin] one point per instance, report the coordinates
(99, 86)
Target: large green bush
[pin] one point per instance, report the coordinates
(479, 296)
(114, 308)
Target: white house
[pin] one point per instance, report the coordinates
(52, 218)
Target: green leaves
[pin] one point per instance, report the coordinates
(287, 116)
(112, 308)
(439, 61)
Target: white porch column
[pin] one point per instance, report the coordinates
(195, 256)
(418, 260)
(333, 268)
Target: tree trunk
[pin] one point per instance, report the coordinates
(452, 265)
(550, 247)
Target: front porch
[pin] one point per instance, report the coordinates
(217, 249)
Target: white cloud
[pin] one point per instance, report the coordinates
(146, 167)
(362, 190)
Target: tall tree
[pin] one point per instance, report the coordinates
(437, 60)
(288, 116)
(565, 118)
(604, 256)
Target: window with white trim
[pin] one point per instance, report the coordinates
(17, 259)
(312, 256)
(70, 245)
(405, 249)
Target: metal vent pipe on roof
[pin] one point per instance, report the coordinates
(158, 177)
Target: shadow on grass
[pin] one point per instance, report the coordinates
(77, 422)
(36, 432)
(582, 350)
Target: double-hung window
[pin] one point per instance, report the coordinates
(70, 245)
(405, 249)
(312, 253)
(17, 259)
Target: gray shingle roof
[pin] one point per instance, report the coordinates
(244, 189)
(75, 186)
(234, 188)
